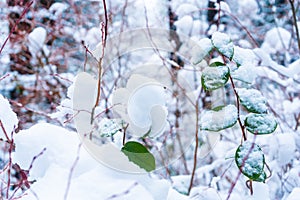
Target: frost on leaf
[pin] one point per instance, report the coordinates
(252, 100)
(108, 127)
(260, 123)
(199, 52)
(223, 44)
(250, 160)
(214, 77)
(223, 118)
(261, 178)
(139, 154)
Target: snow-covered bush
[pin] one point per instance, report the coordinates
(206, 105)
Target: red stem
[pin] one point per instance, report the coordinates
(15, 25)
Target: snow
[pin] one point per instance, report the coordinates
(143, 101)
(185, 9)
(243, 56)
(283, 148)
(58, 8)
(59, 144)
(200, 51)
(252, 99)
(174, 195)
(245, 73)
(294, 68)
(275, 67)
(223, 43)
(276, 40)
(294, 194)
(260, 123)
(224, 7)
(260, 191)
(248, 8)
(8, 118)
(3, 34)
(181, 183)
(254, 162)
(217, 120)
(51, 169)
(215, 77)
(280, 69)
(109, 127)
(291, 107)
(84, 97)
(93, 37)
(204, 193)
(36, 40)
(184, 25)
(66, 106)
(108, 152)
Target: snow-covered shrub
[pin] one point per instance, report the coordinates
(249, 156)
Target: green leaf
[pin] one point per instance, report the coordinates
(139, 154)
(223, 44)
(260, 123)
(199, 52)
(261, 178)
(218, 108)
(250, 160)
(218, 119)
(252, 100)
(214, 77)
(216, 64)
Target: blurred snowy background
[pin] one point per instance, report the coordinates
(45, 44)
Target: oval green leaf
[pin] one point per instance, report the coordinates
(260, 123)
(223, 44)
(250, 160)
(218, 119)
(252, 100)
(214, 77)
(139, 154)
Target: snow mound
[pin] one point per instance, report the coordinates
(36, 40)
(51, 170)
(276, 40)
(8, 118)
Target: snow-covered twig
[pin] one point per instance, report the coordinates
(5, 76)
(35, 157)
(15, 25)
(72, 171)
(104, 37)
(295, 22)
